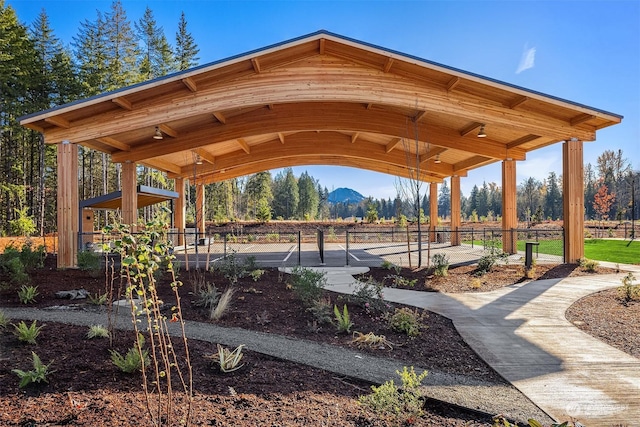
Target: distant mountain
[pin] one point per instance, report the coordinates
(345, 195)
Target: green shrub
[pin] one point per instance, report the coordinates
(343, 320)
(369, 295)
(89, 261)
(406, 321)
(492, 254)
(628, 291)
(27, 334)
(28, 294)
(387, 265)
(589, 265)
(321, 311)
(405, 403)
(132, 360)
(231, 268)
(37, 375)
(256, 274)
(14, 267)
(207, 296)
(440, 264)
(307, 284)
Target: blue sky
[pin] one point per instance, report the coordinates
(583, 51)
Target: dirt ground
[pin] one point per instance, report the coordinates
(85, 388)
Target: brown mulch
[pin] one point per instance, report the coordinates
(87, 389)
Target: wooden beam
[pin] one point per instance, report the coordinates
(509, 208)
(419, 115)
(354, 137)
(573, 200)
(243, 144)
(112, 142)
(369, 106)
(190, 84)
(347, 118)
(469, 128)
(581, 118)
(167, 130)
(321, 46)
(281, 137)
(123, 102)
(388, 64)
(392, 144)
(431, 153)
(471, 163)
(58, 121)
(129, 194)
(205, 155)
(520, 141)
(518, 102)
(162, 165)
(451, 85)
(256, 65)
(220, 117)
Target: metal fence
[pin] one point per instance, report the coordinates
(404, 247)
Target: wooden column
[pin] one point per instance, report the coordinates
(455, 210)
(573, 200)
(433, 210)
(68, 206)
(509, 207)
(179, 214)
(129, 194)
(200, 207)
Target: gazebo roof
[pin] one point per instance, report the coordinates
(319, 99)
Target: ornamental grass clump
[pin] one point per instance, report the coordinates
(27, 334)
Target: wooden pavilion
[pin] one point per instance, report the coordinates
(320, 99)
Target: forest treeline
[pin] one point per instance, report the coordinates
(109, 51)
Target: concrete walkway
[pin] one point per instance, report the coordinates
(522, 332)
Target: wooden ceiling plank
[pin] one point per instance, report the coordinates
(58, 121)
(243, 144)
(392, 144)
(112, 142)
(123, 102)
(220, 117)
(190, 84)
(168, 130)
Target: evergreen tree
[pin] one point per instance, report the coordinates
(259, 194)
(186, 49)
(473, 201)
(156, 57)
(553, 200)
(121, 48)
(309, 198)
(482, 200)
(285, 194)
(444, 200)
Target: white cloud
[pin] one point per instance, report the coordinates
(527, 60)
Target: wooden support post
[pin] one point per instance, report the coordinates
(455, 210)
(200, 208)
(68, 205)
(433, 210)
(509, 207)
(573, 200)
(129, 195)
(179, 214)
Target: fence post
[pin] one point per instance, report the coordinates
(347, 248)
(299, 247)
(224, 252)
(472, 238)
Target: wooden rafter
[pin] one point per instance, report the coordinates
(281, 137)
(168, 130)
(205, 155)
(388, 64)
(470, 128)
(392, 144)
(243, 144)
(451, 85)
(220, 117)
(581, 118)
(520, 141)
(354, 137)
(123, 102)
(112, 142)
(518, 101)
(255, 63)
(190, 84)
(58, 121)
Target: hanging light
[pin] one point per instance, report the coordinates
(437, 160)
(158, 134)
(481, 134)
(198, 159)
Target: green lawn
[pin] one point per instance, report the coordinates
(619, 251)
